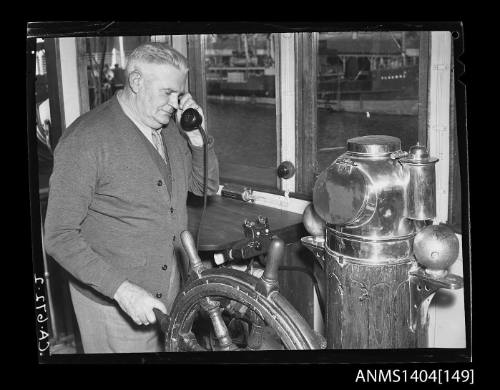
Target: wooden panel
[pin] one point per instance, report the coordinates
(196, 76)
(223, 220)
(306, 110)
(83, 83)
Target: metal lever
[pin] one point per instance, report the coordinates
(190, 248)
(269, 280)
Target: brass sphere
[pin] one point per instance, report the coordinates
(436, 247)
(313, 222)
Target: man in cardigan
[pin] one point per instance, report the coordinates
(117, 202)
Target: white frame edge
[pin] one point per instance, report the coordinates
(439, 117)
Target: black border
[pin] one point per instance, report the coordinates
(392, 358)
(108, 28)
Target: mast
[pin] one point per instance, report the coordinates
(403, 48)
(247, 57)
(245, 46)
(122, 52)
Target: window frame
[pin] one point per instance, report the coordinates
(438, 123)
(306, 110)
(196, 44)
(56, 99)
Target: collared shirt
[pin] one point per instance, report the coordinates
(146, 130)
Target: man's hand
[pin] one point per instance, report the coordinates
(186, 102)
(138, 303)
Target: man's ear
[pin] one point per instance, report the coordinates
(134, 81)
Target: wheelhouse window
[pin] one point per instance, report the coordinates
(241, 106)
(367, 84)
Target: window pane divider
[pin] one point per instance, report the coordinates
(306, 110)
(439, 116)
(287, 103)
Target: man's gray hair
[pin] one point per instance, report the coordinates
(156, 53)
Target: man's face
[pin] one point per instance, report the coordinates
(158, 93)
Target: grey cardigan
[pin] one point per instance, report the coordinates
(115, 209)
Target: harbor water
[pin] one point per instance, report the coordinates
(246, 140)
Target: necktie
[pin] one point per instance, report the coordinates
(158, 143)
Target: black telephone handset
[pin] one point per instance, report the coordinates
(191, 120)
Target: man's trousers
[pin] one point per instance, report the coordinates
(107, 329)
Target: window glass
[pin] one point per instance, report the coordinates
(367, 84)
(106, 60)
(241, 106)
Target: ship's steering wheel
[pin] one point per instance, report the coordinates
(229, 310)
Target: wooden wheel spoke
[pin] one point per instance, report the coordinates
(188, 343)
(212, 308)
